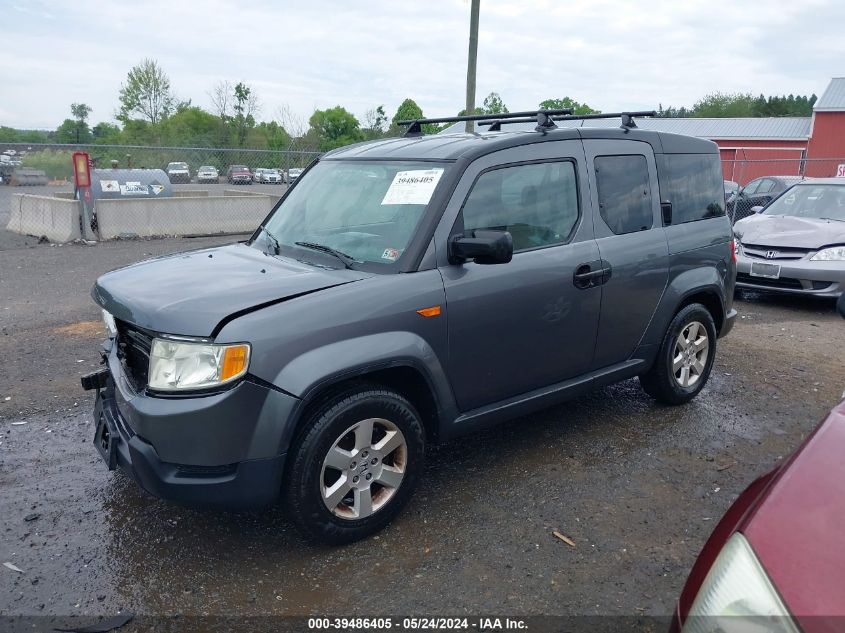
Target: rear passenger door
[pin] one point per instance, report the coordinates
(631, 241)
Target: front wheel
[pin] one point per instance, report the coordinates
(685, 357)
(355, 465)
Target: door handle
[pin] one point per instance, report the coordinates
(585, 277)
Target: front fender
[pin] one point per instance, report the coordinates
(318, 368)
(343, 359)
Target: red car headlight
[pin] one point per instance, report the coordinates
(737, 595)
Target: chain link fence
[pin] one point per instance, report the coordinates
(140, 191)
(207, 191)
(55, 160)
(750, 184)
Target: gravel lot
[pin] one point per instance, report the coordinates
(635, 485)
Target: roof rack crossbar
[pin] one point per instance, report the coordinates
(415, 125)
(627, 118)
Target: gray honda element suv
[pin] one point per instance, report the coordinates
(408, 291)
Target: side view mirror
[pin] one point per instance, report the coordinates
(484, 247)
(756, 209)
(840, 305)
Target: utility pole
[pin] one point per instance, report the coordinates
(471, 59)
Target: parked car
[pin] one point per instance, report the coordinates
(316, 360)
(796, 244)
(266, 175)
(239, 175)
(758, 192)
(775, 561)
(208, 173)
(292, 174)
(178, 172)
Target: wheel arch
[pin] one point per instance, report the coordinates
(401, 361)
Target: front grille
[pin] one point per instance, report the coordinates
(773, 252)
(133, 350)
(785, 283)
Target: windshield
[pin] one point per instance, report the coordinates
(207, 168)
(177, 166)
(811, 201)
(366, 210)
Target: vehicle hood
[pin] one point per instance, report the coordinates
(789, 231)
(191, 293)
(796, 530)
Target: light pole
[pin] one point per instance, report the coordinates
(471, 59)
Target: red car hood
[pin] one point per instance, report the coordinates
(797, 528)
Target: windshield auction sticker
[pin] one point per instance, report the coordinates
(412, 187)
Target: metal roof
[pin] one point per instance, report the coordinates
(833, 98)
(760, 128)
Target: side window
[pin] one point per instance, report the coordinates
(766, 185)
(624, 193)
(536, 203)
(751, 187)
(693, 184)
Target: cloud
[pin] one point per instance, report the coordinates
(610, 54)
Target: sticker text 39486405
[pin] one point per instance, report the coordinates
(412, 187)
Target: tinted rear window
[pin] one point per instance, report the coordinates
(693, 184)
(624, 193)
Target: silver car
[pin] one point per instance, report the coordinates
(796, 244)
(207, 173)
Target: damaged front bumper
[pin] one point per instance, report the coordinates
(223, 449)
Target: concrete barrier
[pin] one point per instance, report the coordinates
(55, 218)
(190, 193)
(182, 216)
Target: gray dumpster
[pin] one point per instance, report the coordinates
(129, 183)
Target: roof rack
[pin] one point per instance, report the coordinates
(628, 122)
(542, 117)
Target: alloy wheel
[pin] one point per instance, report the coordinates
(363, 469)
(689, 358)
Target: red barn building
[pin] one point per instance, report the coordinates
(774, 146)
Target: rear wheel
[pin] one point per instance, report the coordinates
(685, 358)
(355, 465)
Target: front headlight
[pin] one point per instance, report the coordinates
(180, 366)
(737, 595)
(833, 254)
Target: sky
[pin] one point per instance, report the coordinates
(301, 56)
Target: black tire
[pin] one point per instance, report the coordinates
(324, 426)
(660, 382)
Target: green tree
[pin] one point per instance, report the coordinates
(566, 102)
(106, 133)
(69, 132)
(375, 123)
(719, 104)
(493, 104)
(189, 126)
(245, 107)
(334, 128)
(407, 111)
(146, 93)
(75, 130)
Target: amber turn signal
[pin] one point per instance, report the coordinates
(235, 360)
(433, 311)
